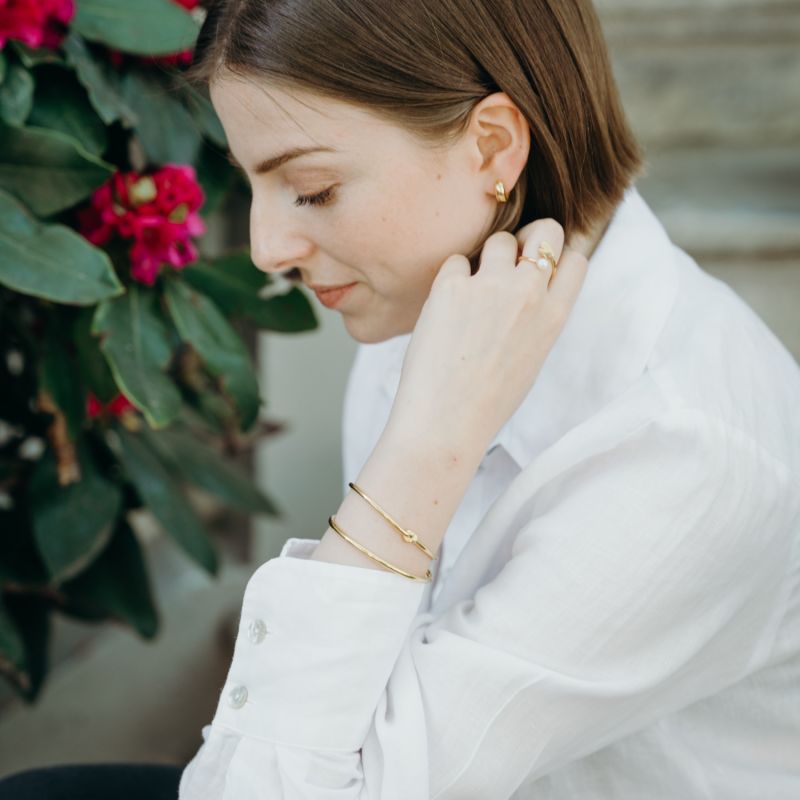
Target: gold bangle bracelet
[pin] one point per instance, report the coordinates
(408, 535)
(426, 579)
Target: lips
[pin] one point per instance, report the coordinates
(331, 295)
(329, 287)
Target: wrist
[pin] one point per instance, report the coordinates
(445, 442)
(420, 481)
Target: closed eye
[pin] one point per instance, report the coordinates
(319, 199)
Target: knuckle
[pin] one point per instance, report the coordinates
(551, 222)
(504, 236)
(553, 230)
(452, 267)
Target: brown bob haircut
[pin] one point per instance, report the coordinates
(424, 65)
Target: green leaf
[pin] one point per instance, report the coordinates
(203, 466)
(20, 562)
(146, 27)
(115, 585)
(60, 377)
(51, 261)
(61, 104)
(30, 616)
(3, 67)
(33, 57)
(136, 345)
(215, 174)
(214, 410)
(201, 325)
(230, 280)
(72, 523)
(48, 170)
(94, 370)
(16, 95)
(12, 649)
(165, 498)
(200, 107)
(290, 312)
(234, 283)
(167, 131)
(100, 82)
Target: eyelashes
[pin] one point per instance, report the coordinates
(320, 199)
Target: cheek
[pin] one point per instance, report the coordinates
(376, 225)
(399, 231)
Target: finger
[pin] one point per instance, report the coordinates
(542, 230)
(499, 252)
(454, 265)
(571, 273)
(523, 233)
(530, 235)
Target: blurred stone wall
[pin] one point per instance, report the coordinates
(707, 72)
(712, 89)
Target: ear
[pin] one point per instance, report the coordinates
(498, 138)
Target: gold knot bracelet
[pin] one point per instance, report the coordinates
(408, 536)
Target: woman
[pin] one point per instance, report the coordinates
(567, 563)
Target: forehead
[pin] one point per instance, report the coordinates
(248, 108)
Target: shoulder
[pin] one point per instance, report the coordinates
(716, 355)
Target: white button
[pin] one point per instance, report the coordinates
(237, 696)
(256, 631)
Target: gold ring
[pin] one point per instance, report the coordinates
(545, 251)
(534, 261)
(545, 262)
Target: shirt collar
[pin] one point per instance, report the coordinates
(630, 287)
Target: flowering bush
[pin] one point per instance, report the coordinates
(157, 212)
(123, 374)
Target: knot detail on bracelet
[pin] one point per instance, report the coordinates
(426, 578)
(408, 536)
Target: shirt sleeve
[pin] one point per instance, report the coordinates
(640, 580)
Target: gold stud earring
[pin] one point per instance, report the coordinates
(500, 192)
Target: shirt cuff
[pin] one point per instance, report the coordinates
(316, 645)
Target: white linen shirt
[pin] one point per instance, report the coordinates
(616, 607)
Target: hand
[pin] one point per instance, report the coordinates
(481, 340)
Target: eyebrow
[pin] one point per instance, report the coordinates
(270, 164)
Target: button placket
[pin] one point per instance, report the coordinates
(237, 696)
(256, 631)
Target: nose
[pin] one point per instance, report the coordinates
(276, 245)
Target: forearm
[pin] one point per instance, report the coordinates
(419, 483)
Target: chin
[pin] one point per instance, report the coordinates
(366, 331)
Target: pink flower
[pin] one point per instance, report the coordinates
(118, 406)
(158, 212)
(36, 23)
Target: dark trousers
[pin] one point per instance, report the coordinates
(94, 782)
